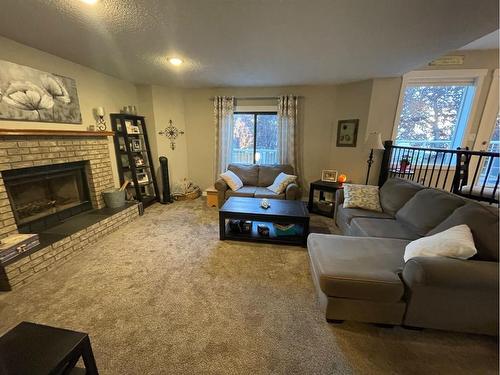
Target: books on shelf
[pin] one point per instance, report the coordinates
(16, 244)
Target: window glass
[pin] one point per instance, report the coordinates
(266, 150)
(494, 169)
(255, 138)
(243, 139)
(434, 116)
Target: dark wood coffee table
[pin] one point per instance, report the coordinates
(281, 211)
(35, 349)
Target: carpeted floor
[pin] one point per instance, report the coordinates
(163, 296)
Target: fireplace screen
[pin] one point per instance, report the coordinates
(39, 192)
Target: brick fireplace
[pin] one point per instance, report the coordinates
(31, 151)
(56, 155)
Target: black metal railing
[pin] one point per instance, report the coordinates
(472, 174)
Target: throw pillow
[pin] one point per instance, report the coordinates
(362, 196)
(233, 181)
(281, 182)
(456, 242)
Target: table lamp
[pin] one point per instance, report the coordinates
(373, 142)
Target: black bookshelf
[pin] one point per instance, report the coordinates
(133, 157)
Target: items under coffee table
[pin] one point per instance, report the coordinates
(243, 219)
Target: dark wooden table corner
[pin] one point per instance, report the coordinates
(323, 187)
(36, 349)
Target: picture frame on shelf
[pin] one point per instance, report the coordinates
(131, 128)
(135, 145)
(142, 178)
(347, 133)
(329, 175)
(139, 161)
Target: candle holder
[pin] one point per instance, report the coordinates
(101, 123)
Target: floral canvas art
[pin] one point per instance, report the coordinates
(29, 94)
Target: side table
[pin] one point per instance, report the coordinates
(323, 187)
(212, 199)
(35, 349)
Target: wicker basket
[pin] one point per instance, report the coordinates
(191, 195)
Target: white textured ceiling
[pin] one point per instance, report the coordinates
(248, 42)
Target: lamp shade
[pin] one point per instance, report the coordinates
(374, 141)
(99, 111)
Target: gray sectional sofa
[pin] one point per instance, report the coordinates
(255, 180)
(362, 276)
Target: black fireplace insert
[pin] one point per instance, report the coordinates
(42, 197)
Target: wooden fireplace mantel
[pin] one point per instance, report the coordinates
(47, 132)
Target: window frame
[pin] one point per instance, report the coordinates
(445, 77)
(255, 113)
(490, 112)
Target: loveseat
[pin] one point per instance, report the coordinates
(362, 276)
(256, 179)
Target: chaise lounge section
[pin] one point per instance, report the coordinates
(362, 276)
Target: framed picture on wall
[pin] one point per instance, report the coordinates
(347, 133)
(29, 94)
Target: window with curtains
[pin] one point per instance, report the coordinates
(255, 138)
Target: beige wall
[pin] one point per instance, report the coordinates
(168, 105)
(353, 102)
(159, 105)
(94, 89)
(385, 96)
(382, 112)
(475, 59)
(374, 102)
(317, 115)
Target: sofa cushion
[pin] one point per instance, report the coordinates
(357, 267)
(248, 173)
(396, 192)
(268, 173)
(347, 214)
(245, 191)
(386, 228)
(456, 242)
(262, 192)
(483, 223)
(281, 182)
(362, 196)
(232, 180)
(428, 208)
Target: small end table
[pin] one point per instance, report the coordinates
(35, 349)
(212, 199)
(323, 187)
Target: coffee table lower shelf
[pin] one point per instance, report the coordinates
(254, 236)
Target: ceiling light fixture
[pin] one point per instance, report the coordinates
(90, 2)
(175, 61)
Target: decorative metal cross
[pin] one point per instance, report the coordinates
(171, 132)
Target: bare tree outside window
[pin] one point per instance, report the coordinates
(255, 138)
(432, 116)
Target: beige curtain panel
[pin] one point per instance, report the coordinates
(288, 152)
(223, 118)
